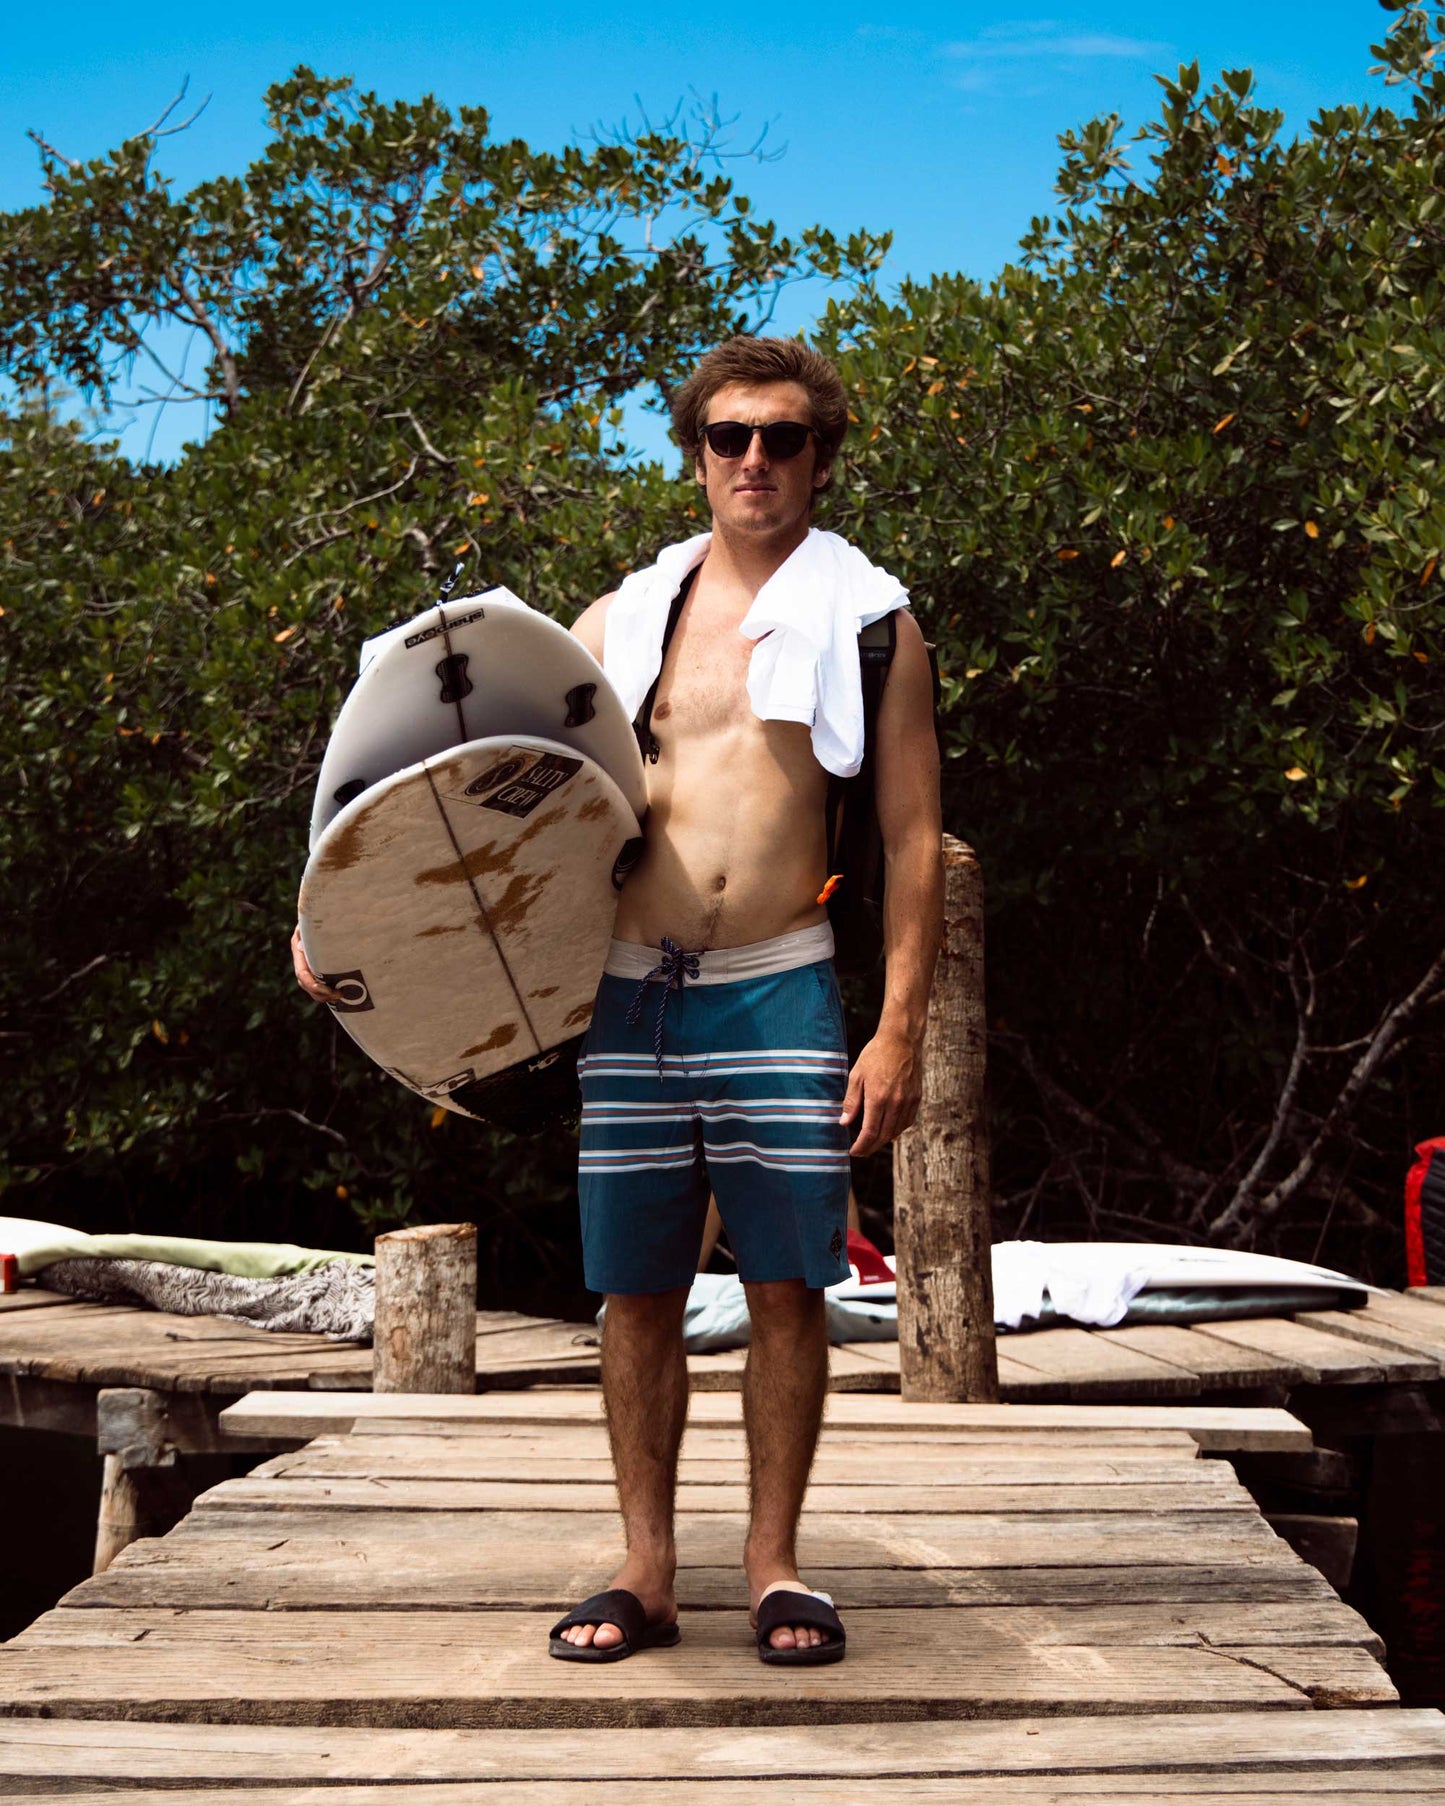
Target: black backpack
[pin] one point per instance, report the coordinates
(855, 840)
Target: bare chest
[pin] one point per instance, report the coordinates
(703, 688)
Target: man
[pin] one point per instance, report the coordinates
(734, 868)
(716, 1058)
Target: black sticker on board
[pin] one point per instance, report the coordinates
(541, 780)
(496, 774)
(351, 990)
(455, 626)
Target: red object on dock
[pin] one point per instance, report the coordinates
(1425, 1215)
(9, 1272)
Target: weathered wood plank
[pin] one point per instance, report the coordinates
(563, 1459)
(1325, 1358)
(305, 1576)
(459, 1669)
(32, 1298)
(372, 1492)
(1118, 1539)
(31, 1404)
(1219, 1366)
(727, 1442)
(1322, 1622)
(1388, 1321)
(1165, 1789)
(1103, 1370)
(1212, 1426)
(1319, 1750)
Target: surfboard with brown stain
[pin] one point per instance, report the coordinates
(462, 908)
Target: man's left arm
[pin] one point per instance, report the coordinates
(887, 1081)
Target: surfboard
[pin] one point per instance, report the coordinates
(467, 668)
(462, 907)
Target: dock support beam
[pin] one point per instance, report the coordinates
(426, 1309)
(143, 1492)
(941, 1227)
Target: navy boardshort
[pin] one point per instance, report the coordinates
(725, 1071)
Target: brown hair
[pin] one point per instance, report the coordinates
(752, 360)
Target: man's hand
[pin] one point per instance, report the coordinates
(884, 1087)
(305, 977)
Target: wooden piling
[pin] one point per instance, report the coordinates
(426, 1309)
(941, 1227)
(143, 1491)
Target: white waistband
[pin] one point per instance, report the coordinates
(726, 965)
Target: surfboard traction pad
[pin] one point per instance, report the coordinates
(478, 887)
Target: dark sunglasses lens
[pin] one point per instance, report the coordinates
(784, 439)
(729, 438)
(781, 438)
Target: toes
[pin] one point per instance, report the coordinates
(605, 1636)
(783, 1638)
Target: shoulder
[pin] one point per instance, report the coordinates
(591, 625)
(909, 686)
(910, 649)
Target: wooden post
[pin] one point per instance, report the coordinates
(941, 1228)
(426, 1310)
(143, 1491)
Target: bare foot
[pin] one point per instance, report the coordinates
(653, 1586)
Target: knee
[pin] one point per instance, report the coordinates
(643, 1314)
(785, 1308)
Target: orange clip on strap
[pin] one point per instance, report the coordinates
(830, 887)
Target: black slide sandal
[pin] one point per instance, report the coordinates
(785, 1609)
(622, 1609)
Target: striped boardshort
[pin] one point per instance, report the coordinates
(722, 1070)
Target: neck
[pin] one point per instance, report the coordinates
(748, 561)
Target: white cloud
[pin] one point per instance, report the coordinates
(1012, 44)
(1002, 53)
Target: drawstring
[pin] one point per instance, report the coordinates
(675, 966)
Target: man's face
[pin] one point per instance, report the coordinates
(755, 494)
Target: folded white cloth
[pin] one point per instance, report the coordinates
(805, 619)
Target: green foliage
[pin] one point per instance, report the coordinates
(1171, 494)
(1167, 492)
(418, 339)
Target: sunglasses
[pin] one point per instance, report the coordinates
(782, 439)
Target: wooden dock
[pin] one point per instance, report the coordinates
(1043, 1603)
(56, 1354)
(99, 1371)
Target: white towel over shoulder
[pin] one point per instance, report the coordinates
(805, 619)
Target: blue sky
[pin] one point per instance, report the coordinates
(938, 123)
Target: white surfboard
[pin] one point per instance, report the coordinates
(463, 908)
(466, 669)
(1143, 1266)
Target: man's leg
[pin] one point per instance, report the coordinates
(784, 1387)
(644, 1387)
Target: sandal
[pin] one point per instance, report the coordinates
(814, 1611)
(618, 1607)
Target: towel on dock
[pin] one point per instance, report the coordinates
(336, 1298)
(38, 1244)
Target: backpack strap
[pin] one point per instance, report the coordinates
(877, 643)
(642, 725)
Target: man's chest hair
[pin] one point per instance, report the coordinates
(704, 686)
